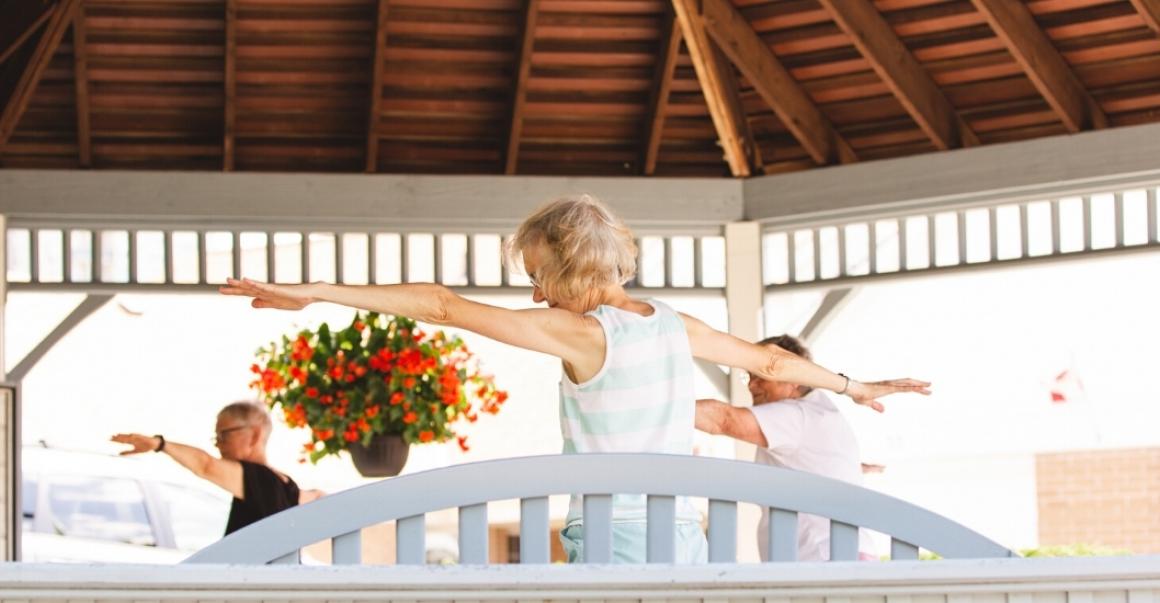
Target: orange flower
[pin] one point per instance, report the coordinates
(409, 382)
(463, 443)
(397, 398)
(426, 436)
(410, 417)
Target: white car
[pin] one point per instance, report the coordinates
(86, 507)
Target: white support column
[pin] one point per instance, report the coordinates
(4, 290)
(744, 300)
(8, 427)
(744, 295)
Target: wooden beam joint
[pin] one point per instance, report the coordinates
(713, 86)
(23, 36)
(1150, 11)
(773, 82)
(62, 17)
(880, 45)
(1014, 24)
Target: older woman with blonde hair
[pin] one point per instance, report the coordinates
(627, 362)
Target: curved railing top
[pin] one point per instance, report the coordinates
(654, 474)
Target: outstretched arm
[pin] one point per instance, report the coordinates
(225, 473)
(553, 331)
(776, 364)
(719, 418)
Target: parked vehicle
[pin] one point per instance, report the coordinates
(86, 507)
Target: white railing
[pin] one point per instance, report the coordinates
(1083, 580)
(103, 258)
(785, 493)
(893, 246)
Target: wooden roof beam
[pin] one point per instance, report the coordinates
(81, 82)
(380, 64)
(24, 34)
(666, 66)
(902, 73)
(1013, 23)
(231, 86)
(731, 96)
(520, 91)
(760, 66)
(1150, 11)
(713, 85)
(62, 16)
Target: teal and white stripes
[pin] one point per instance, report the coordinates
(641, 400)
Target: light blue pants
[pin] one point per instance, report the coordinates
(628, 543)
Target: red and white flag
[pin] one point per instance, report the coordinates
(1066, 387)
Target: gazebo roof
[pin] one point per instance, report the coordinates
(586, 87)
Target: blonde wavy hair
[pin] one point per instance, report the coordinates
(587, 247)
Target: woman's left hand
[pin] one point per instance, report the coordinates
(867, 394)
(267, 295)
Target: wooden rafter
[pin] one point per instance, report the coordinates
(1150, 11)
(520, 92)
(231, 85)
(902, 73)
(731, 96)
(19, 40)
(774, 84)
(662, 85)
(379, 64)
(1044, 66)
(727, 124)
(57, 24)
(81, 81)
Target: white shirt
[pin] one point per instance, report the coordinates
(808, 434)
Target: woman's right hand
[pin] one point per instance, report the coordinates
(267, 295)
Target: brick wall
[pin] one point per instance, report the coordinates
(1108, 498)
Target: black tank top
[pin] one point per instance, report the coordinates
(265, 494)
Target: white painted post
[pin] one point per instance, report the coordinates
(744, 299)
(3, 288)
(8, 426)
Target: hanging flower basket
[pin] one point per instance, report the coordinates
(384, 456)
(381, 375)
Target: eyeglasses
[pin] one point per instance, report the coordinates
(534, 280)
(221, 435)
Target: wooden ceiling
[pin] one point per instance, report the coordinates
(586, 87)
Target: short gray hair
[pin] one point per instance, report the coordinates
(249, 412)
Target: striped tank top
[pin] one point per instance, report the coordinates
(641, 399)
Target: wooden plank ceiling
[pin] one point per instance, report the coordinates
(593, 87)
